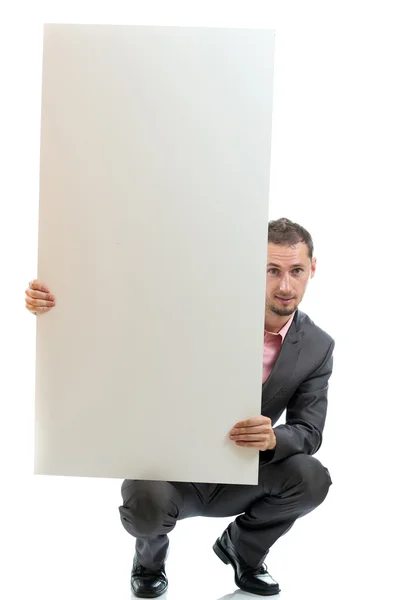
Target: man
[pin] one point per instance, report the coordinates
(297, 365)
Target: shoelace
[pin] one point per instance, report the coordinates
(260, 571)
(143, 572)
(263, 572)
(263, 569)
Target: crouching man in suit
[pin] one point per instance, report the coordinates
(297, 366)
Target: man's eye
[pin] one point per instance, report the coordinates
(298, 271)
(272, 271)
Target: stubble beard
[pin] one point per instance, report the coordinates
(282, 312)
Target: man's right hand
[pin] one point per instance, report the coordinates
(38, 298)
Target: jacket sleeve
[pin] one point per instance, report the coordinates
(305, 416)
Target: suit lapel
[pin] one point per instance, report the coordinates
(286, 361)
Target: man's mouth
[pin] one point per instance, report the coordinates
(284, 300)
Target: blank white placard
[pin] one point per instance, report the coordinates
(155, 153)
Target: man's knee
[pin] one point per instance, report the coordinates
(146, 507)
(314, 478)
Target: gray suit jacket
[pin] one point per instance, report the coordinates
(299, 383)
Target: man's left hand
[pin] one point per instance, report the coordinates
(254, 433)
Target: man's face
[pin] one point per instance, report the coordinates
(289, 270)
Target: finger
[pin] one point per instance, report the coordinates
(39, 295)
(39, 298)
(259, 445)
(253, 422)
(36, 302)
(256, 429)
(252, 438)
(36, 309)
(35, 284)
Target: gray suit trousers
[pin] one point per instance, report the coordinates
(287, 490)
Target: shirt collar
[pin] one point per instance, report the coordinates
(282, 332)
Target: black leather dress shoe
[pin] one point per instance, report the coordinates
(146, 583)
(255, 581)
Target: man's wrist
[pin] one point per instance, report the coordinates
(273, 446)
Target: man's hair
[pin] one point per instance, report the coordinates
(286, 233)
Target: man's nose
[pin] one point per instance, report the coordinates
(285, 283)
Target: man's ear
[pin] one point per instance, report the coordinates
(313, 267)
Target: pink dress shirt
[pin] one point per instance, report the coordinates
(272, 344)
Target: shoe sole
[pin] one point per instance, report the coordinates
(151, 595)
(222, 555)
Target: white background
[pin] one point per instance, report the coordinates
(335, 150)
